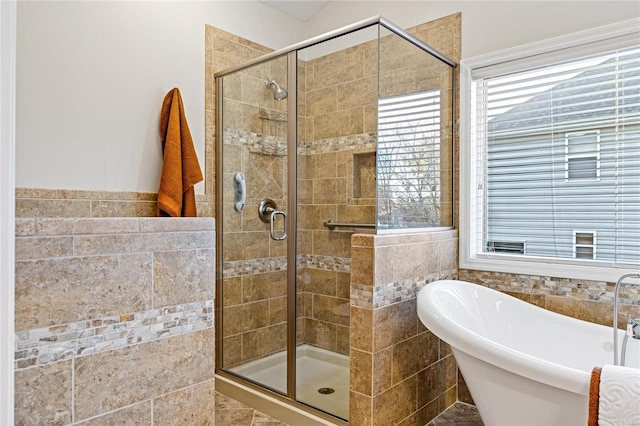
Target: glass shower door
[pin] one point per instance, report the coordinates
(253, 240)
(336, 151)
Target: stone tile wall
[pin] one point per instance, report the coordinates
(582, 299)
(401, 374)
(114, 320)
(38, 202)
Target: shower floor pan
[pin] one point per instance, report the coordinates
(318, 372)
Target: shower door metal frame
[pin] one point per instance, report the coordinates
(292, 137)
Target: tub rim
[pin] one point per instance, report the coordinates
(492, 352)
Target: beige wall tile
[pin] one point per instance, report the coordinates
(56, 291)
(343, 339)
(339, 123)
(246, 245)
(138, 414)
(331, 309)
(319, 281)
(361, 372)
(264, 341)
(362, 265)
(330, 191)
(232, 353)
(136, 243)
(323, 165)
(360, 409)
(321, 101)
(232, 291)
(433, 381)
(43, 395)
(362, 329)
(194, 405)
(43, 247)
(329, 243)
(394, 324)
(52, 208)
(383, 369)
(343, 281)
(393, 405)
(245, 317)
(321, 333)
(104, 208)
(142, 371)
(277, 310)
(413, 355)
(314, 216)
(356, 93)
(25, 227)
(183, 276)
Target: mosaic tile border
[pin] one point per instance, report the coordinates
(67, 341)
(382, 295)
(277, 145)
(546, 285)
(342, 143)
(325, 263)
(239, 268)
(257, 142)
(265, 265)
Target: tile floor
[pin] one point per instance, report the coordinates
(230, 412)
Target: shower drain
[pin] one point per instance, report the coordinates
(326, 391)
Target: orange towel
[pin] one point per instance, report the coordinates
(594, 396)
(180, 167)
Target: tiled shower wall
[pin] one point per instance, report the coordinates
(337, 123)
(114, 321)
(255, 302)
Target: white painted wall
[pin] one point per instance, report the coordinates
(92, 77)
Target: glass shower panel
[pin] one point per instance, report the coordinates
(336, 148)
(254, 166)
(415, 138)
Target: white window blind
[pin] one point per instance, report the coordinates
(557, 148)
(408, 156)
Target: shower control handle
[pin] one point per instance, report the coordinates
(268, 212)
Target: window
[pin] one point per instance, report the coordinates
(408, 155)
(553, 147)
(509, 247)
(582, 155)
(585, 245)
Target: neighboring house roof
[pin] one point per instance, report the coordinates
(593, 87)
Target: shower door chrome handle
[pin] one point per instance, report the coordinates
(268, 212)
(275, 213)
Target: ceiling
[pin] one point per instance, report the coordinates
(300, 9)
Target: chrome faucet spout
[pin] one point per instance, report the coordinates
(615, 312)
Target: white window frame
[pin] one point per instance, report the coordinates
(568, 157)
(603, 38)
(593, 244)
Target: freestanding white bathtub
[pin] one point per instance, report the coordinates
(524, 365)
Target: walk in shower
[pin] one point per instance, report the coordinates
(347, 132)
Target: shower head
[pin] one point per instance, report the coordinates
(279, 93)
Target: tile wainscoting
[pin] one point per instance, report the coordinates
(114, 320)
